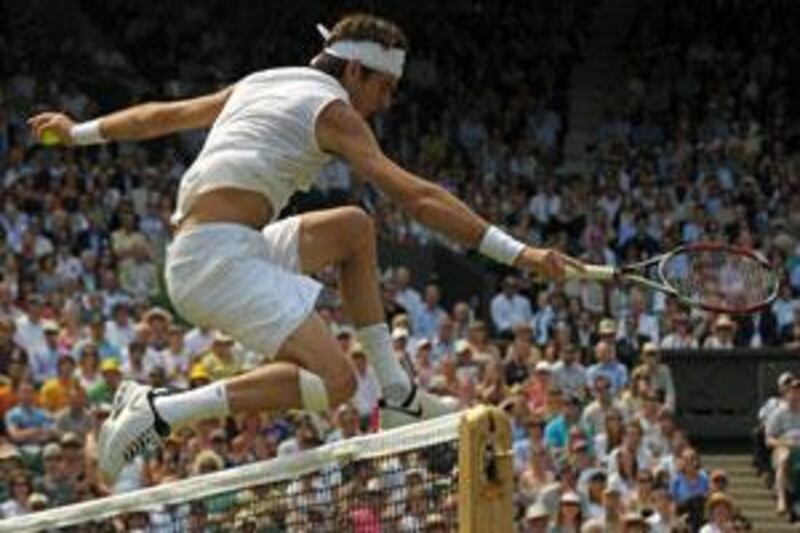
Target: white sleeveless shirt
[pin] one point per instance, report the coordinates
(264, 139)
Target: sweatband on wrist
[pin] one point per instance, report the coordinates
(87, 133)
(498, 245)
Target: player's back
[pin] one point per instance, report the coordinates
(264, 138)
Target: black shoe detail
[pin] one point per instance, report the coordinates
(404, 407)
(161, 426)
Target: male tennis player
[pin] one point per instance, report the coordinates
(231, 266)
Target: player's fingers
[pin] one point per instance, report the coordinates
(555, 265)
(575, 264)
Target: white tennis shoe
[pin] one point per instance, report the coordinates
(420, 405)
(133, 427)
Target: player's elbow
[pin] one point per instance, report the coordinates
(421, 201)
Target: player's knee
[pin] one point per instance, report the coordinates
(342, 386)
(360, 228)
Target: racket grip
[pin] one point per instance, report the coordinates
(593, 272)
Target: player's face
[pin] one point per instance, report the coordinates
(373, 92)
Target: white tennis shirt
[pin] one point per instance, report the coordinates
(264, 139)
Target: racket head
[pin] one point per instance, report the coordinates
(719, 277)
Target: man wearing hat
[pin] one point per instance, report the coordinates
(659, 374)
(722, 335)
(43, 363)
(681, 336)
(221, 362)
(104, 390)
(720, 512)
(783, 439)
(536, 518)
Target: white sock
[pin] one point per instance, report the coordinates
(377, 344)
(180, 409)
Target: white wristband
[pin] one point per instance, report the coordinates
(87, 133)
(500, 246)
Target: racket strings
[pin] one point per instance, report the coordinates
(719, 279)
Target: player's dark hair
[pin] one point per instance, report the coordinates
(359, 27)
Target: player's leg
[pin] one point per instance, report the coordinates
(346, 237)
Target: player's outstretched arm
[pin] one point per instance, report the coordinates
(341, 130)
(139, 122)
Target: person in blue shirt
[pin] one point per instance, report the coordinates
(608, 365)
(557, 431)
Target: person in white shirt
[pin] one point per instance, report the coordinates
(119, 330)
(233, 266)
(509, 308)
(723, 334)
(681, 336)
(30, 330)
(198, 341)
(405, 294)
(368, 390)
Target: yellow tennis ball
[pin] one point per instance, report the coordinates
(49, 138)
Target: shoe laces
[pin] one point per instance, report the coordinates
(146, 440)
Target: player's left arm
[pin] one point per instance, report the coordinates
(143, 121)
(342, 131)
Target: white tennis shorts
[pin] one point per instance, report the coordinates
(245, 283)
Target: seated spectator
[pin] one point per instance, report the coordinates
(103, 391)
(368, 390)
(54, 483)
(664, 518)
(221, 362)
(608, 365)
(483, 350)
(520, 355)
(594, 414)
(536, 519)
(660, 375)
(28, 426)
(56, 391)
(20, 490)
(783, 439)
(722, 336)
(681, 336)
(690, 487)
(569, 375)
(508, 307)
(74, 417)
(721, 511)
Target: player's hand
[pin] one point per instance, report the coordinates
(547, 263)
(52, 128)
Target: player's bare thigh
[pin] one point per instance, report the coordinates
(332, 236)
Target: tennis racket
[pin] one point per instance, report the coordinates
(712, 276)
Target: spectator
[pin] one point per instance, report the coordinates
(659, 375)
(681, 336)
(56, 391)
(508, 308)
(74, 418)
(569, 375)
(723, 334)
(43, 363)
(428, 318)
(721, 511)
(28, 426)
(521, 355)
(607, 365)
(783, 439)
(17, 504)
(368, 390)
(536, 519)
(220, 362)
(405, 294)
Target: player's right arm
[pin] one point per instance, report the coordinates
(139, 122)
(341, 130)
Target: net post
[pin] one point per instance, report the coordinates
(485, 472)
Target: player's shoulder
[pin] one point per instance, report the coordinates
(294, 75)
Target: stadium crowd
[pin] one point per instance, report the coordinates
(697, 144)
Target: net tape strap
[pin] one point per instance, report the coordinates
(396, 441)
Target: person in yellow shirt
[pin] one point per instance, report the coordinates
(55, 392)
(221, 362)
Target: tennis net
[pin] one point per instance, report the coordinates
(405, 479)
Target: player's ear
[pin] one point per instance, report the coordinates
(353, 70)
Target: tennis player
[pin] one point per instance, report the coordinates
(233, 267)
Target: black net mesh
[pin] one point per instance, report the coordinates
(409, 491)
(719, 279)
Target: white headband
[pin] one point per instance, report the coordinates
(370, 54)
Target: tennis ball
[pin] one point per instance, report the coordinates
(49, 138)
